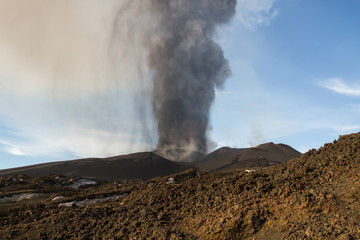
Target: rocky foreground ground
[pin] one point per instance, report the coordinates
(315, 196)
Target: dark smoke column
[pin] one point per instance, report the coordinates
(189, 65)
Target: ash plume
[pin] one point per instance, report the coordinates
(189, 65)
(101, 78)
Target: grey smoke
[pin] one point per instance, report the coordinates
(189, 65)
(103, 78)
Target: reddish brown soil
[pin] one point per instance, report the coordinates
(315, 196)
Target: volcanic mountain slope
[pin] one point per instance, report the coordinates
(315, 196)
(144, 165)
(264, 155)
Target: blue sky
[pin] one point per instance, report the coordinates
(296, 80)
(296, 77)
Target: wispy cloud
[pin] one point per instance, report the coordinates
(255, 13)
(11, 148)
(339, 85)
(346, 128)
(79, 142)
(299, 122)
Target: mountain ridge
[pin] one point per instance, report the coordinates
(146, 165)
(263, 155)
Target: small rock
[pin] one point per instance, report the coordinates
(170, 181)
(330, 196)
(313, 192)
(309, 232)
(57, 198)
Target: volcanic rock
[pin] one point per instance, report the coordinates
(315, 196)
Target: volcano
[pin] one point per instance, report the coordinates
(263, 155)
(315, 196)
(146, 165)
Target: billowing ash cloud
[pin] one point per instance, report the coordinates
(100, 78)
(189, 65)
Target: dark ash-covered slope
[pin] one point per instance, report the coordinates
(142, 165)
(263, 155)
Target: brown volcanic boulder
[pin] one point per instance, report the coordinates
(264, 155)
(142, 165)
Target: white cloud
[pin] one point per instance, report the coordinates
(346, 128)
(299, 122)
(255, 13)
(11, 148)
(80, 142)
(338, 85)
(248, 112)
(97, 127)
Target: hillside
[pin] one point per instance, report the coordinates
(146, 165)
(315, 196)
(264, 155)
(143, 165)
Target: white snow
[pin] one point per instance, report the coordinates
(19, 197)
(91, 201)
(249, 170)
(82, 182)
(67, 204)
